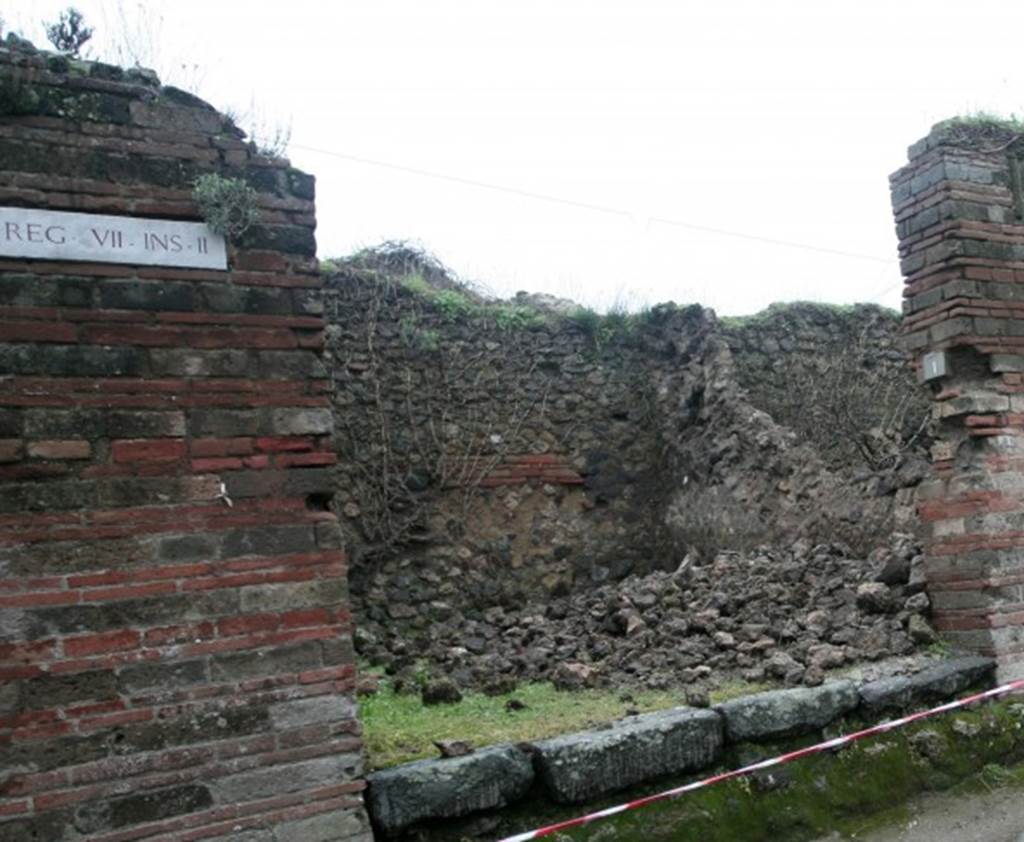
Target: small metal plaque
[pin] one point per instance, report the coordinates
(934, 365)
(61, 235)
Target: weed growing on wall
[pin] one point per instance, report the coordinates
(68, 33)
(398, 262)
(509, 317)
(989, 118)
(267, 136)
(452, 304)
(416, 337)
(228, 205)
(587, 321)
(617, 326)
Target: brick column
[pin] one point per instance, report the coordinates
(175, 653)
(958, 207)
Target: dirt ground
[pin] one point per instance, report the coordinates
(996, 816)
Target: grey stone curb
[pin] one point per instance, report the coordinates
(934, 684)
(578, 767)
(575, 768)
(491, 777)
(787, 713)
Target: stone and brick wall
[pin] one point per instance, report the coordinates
(175, 636)
(958, 206)
(521, 462)
(489, 464)
(830, 373)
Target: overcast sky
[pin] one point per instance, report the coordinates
(643, 122)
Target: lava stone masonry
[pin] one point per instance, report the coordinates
(553, 431)
(546, 473)
(958, 206)
(175, 634)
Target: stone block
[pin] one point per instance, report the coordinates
(152, 806)
(129, 613)
(949, 328)
(290, 364)
(490, 778)
(975, 403)
(188, 362)
(283, 778)
(334, 826)
(224, 422)
(240, 485)
(292, 239)
(286, 659)
(196, 547)
(138, 677)
(300, 184)
(317, 710)
(787, 713)
(268, 540)
(225, 298)
(136, 295)
(1000, 363)
(957, 171)
(72, 360)
(578, 767)
(937, 683)
(281, 597)
(67, 690)
(300, 422)
(96, 424)
(10, 423)
(309, 481)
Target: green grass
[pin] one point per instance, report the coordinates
(735, 689)
(399, 728)
(996, 776)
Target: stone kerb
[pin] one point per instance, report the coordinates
(175, 634)
(580, 768)
(958, 206)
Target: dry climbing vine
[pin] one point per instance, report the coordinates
(419, 418)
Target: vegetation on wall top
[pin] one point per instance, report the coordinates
(993, 132)
(68, 33)
(418, 273)
(812, 310)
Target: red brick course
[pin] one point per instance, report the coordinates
(961, 239)
(178, 609)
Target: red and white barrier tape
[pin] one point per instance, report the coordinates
(838, 742)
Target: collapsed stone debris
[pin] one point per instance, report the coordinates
(778, 616)
(638, 508)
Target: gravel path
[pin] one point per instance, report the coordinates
(996, 816)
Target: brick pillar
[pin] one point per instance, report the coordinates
(175, 639)
(958, 207)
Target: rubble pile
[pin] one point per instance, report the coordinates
(768, 615)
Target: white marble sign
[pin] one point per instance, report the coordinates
(59, 235)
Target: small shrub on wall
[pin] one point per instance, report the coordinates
(227, 205)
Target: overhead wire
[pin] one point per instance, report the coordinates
(605, 209)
